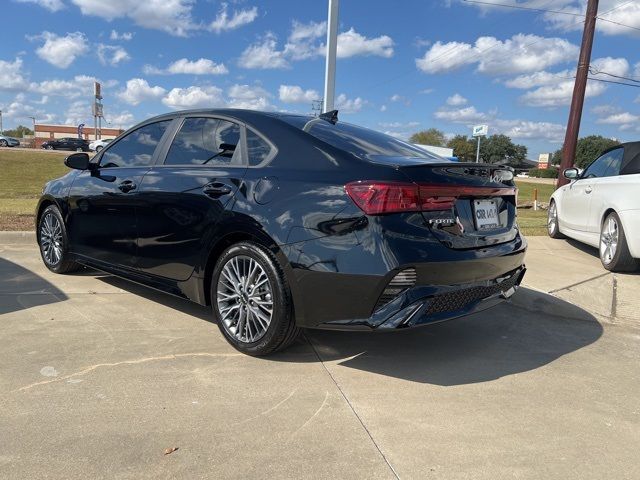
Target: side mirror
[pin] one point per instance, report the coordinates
(78, 161)
(571, 173)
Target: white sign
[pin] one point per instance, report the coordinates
(480, 130)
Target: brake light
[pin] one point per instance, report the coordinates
(376, 198)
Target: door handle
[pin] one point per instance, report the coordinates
(588, 189)
(215, 190)
(127, 186)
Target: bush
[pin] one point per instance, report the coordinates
(544, 172)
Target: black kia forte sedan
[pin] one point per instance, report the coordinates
(282, 222)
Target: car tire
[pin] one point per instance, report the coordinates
(613, 248)
(49, 147)
(4, 143)
(251, 300)
(54, 242)
(553, 226)
(98, 148)
(79, 149)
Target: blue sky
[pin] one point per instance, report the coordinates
(403, 66)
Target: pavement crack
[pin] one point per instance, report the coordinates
(580, 282)
(346, 399)
(137, 361)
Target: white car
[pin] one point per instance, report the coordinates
(98, 145)
(601, 207)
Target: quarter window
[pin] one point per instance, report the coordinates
(205, 141)
(258, 149)
(137, 148)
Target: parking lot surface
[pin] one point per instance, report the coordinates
(100, 376)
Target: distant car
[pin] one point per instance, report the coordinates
(523, 175)
(69, 143)
(98, 145)
(9, 141)
(601, 207)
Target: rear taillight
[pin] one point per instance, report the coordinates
(376, 198)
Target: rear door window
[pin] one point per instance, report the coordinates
(205, 141)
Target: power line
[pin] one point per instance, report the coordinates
(618, 23)
(522, 7)
(600, 72)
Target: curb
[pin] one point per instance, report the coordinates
(17, 238)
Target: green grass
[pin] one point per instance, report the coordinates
(22, 176)
(533, 222)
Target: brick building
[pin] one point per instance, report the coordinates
(45, 132)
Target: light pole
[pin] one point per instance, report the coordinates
(1, 130)
(330, 66)
(34, 131)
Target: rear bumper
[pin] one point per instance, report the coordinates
(423, 305)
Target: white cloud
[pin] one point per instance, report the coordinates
(619, 118)
(304, 42)
(11, 75)
(604, 110)
(122, 120)
(249, 97)
(59, 51)
(626, 13)
(519, 54)
(224, 22)
(556, 89)
(349, 105)
(465, 115)
(263, 55)
(171, 16)
(124, 36)
(194, 97)
(202, 66)
(138, 90)
(78, 112)
(112, 55)
(399, 124)
(383, 108)
(524, 129)
(19, 109)
(456, 100)
(351, 44)
(80, 85)
(51, 5)
(295, 94)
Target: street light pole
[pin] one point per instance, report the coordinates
(332, 48)
(34, 131)
(478, 151)
(579, 87)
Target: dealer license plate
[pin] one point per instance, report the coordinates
(486, 214)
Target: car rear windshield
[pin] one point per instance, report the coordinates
(362, 142)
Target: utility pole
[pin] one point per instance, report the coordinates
(577, 101)
(332, 48)
(1, 130)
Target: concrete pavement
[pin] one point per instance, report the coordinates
(100, 376)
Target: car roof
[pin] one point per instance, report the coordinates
(239, 113)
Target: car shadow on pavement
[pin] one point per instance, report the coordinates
(532, 330)
(20, 288)
(183, 305)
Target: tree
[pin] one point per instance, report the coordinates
(556, 158)
(463, 147)
(500, 149)
(19, 132)
(432, 136)
(591, 147)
